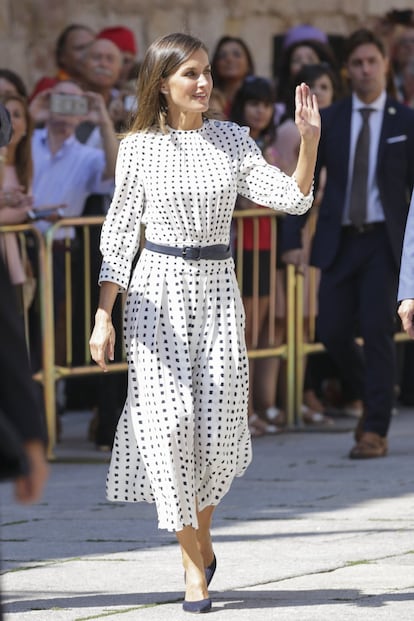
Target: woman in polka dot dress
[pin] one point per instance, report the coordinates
(183, 434)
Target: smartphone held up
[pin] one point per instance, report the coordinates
(68, 105)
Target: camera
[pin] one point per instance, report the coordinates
(70, 105)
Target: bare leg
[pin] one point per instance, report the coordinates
(197, 553)
(267, 370)
(204, 535)
(257, 425)
(195, 586)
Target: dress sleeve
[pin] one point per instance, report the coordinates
(265, 184)
(121, 228)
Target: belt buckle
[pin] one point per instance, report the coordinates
(191, 254)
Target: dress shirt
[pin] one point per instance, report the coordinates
(67, 177)
(375, 212)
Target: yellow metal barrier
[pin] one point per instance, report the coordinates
(293, 350)
(303, 347)
(52, 369)
(286, 351)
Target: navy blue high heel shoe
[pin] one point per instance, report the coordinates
(200, 606)
(210, 570)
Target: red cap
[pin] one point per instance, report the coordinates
(121, 36)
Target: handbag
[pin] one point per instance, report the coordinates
(13, 458)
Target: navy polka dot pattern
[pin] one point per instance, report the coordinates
(183, 435)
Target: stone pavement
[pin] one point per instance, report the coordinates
(305, 535)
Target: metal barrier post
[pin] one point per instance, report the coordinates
(290, 345)
(299, 346)
(48, 339)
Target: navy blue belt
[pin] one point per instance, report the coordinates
(219, 252)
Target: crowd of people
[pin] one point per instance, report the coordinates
(349, 380)
(61, 163)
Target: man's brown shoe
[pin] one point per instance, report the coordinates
(369, 445)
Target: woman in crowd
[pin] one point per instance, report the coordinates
(324, 82)
(15, 182)
(253, 106)
(231, 63)
(183, 434)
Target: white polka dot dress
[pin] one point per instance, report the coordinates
(183, 434)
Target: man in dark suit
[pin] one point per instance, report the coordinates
(359, 234)
(18, 401)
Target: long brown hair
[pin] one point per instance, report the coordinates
(23, 162)
(163, 58)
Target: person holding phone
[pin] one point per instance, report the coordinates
(66, 171)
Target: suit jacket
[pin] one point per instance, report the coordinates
(395, 178)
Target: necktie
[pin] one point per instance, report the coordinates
(358, 196)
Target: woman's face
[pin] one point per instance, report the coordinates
(232, 62)
(302, 55)
(18, 120)
(324, 91)
(258, 115)
(188, 89)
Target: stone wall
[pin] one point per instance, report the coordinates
(28, 28)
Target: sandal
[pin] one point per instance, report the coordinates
(275, 416)
(318, 419)
(259, 427)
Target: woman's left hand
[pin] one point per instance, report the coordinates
(102, 341)
(307, 117)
